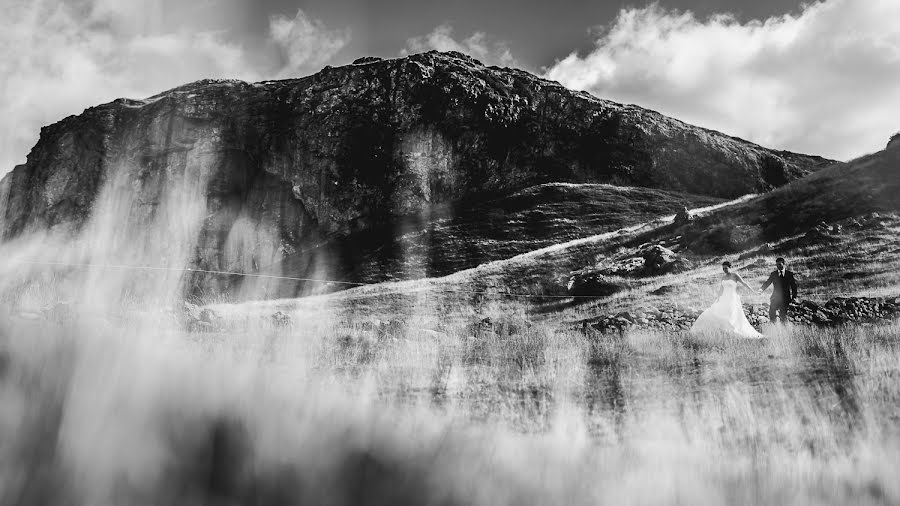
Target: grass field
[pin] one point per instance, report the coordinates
(332, 409)
(423, 392)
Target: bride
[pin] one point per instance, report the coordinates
(726, 314)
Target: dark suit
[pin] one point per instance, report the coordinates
(783, 292)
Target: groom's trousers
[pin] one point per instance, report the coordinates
(778, 308)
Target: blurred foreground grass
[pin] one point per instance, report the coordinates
(330, 409)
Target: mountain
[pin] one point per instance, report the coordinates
(839, 229)
(309, 176)
(843, 191)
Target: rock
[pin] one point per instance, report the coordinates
(592, 284)
(894, 141)
(194, 317)
(648, 260)
(191, 311)
(281, 319)
(683, 217)
(663, 290)
(357, 149)
(818, 234)
(625, 315)
(366, 59)
(821, 317)
(209, 316)
(397, 328)
(599, 326)
(659, 260)
(621, 322)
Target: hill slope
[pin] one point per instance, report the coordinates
(839, 229)
(261, 176)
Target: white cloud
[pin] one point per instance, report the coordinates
(306, 43)
(58, 57)
(477, 45)
(823, 81)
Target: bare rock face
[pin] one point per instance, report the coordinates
(273, 172)
(894, 142)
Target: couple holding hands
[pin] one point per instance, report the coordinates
(727, 315)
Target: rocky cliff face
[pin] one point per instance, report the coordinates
(271, 171)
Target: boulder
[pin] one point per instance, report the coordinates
(209, 316)
(190, 311)
(593, 284)
(683, 217)
(281, 319)
(625, 315)
(648, 260)
(663, 290)
(194, 317)
(659, 260)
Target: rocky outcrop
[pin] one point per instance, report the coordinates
(683, 217)
(659, 260)
(646, 260)
(588, 283)
(274, 171)
(894, 142)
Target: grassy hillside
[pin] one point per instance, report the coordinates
(469, 234)
(838, 227)
(845, 190)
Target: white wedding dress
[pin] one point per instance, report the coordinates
(726, 315)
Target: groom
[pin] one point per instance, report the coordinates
(783, 291)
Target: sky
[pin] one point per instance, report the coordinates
(818, 77)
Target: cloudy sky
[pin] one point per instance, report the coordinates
(816, 77)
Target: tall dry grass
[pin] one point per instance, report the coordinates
(331, 409)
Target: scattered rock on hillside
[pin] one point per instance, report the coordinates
(209, 316)
(659, 260)
(193, 317)
(390, 329)
(281, 319)
(503, 327)
(837, 311)
(683, 217)
(591, 283)
(663, 290)
(823, 232)
(649, 260)
(190, 311)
